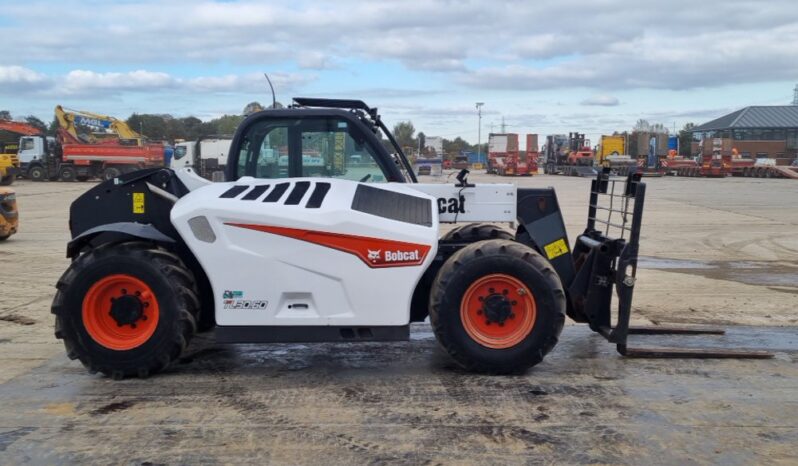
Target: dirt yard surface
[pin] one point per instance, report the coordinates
(720, 252)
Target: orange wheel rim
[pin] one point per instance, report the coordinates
(120, 312)
(498, 311)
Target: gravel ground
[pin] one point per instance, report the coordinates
(721, 252)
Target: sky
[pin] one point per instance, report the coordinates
(546, 67)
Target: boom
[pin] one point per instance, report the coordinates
(68, 118)
(17, 127)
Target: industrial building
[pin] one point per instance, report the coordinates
(755, 132)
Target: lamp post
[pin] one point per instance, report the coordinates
(479, 131)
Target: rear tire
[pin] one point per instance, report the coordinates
(110, 173)
(155, 299)
(515, 290)
(67, 174)
(7, 180)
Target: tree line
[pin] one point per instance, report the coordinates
(405, 134)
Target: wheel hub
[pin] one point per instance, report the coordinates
(498, 311)
(120, 312)
(127, 310)
(497, 308)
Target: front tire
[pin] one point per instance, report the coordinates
(37, 173)
(466, 233)
(497, 306)
(126, 309)
(473, 232)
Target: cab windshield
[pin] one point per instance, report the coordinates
(180, 152)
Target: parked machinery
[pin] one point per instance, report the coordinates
(569, 155)
(158, 254)
(612, 154)
(10, 132)
(9, 217)
(73, 156)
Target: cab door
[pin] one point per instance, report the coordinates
(323, 146)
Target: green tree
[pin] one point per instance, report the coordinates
(686, 140)
(150, 126)
(53, 128)
(227, 124)
(5, 115)
(36, 123)
(456, 146)
(192, 128)
(403, 133)
(252, 107)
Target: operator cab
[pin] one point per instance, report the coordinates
(317, 138)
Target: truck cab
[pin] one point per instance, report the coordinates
(205, 156)
(33, 151)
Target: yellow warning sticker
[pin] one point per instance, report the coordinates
(556, 249)
(138, 203)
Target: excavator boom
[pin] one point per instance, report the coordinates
(68, 118)
(19, 128)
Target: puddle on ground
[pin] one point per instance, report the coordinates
(762, 273)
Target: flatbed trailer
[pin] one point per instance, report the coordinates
(570, 170)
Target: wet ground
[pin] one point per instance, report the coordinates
(406, 403)
(773, 274)
(716, 252)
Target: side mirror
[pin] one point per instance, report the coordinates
(462, 179)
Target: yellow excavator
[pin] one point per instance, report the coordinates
(69, 119)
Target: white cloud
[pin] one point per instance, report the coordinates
(17, 78)
(78, 81)
(479, 43)
(81, 82)
(601, 101)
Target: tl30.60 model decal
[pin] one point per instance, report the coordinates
(374, 252)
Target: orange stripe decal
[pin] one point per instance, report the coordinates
(374, 252)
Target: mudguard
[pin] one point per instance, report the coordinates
(126, 229)
(136, 204)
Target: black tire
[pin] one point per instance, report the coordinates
(7, 180)
(3, 238)
(110, 173)
(37, 173)
(472, 264)
(67, 174)
(172, 286)
(472, 232)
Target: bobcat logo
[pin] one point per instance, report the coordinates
(374, 256)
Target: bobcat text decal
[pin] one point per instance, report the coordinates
(374, 252)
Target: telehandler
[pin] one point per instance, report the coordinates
(320, 234)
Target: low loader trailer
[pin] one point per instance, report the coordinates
(353, 253)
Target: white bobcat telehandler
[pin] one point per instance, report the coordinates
(321, 234)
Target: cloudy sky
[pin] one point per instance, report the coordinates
(544, 66)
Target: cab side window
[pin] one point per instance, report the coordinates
(330, 150)
(322, 147)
